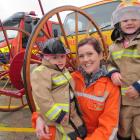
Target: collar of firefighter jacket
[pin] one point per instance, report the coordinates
(120, 39)
(49, 65)
(131, 44)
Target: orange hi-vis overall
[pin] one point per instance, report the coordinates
(99, 104)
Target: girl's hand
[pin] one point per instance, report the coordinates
(132, 92)
(42, 130)
(116, 79)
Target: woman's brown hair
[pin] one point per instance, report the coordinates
(91, 41)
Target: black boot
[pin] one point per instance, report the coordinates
(122, 138)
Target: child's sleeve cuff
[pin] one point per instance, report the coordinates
(136, 85)
(111, 72)
(60, 117)
(35, 115)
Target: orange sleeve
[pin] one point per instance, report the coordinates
(52, 129)
(34, 118)
(108, 121)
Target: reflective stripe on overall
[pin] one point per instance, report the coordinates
(93, 97)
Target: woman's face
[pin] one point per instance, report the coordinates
(130, 26)
(89, 59)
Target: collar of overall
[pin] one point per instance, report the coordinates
(91, 78)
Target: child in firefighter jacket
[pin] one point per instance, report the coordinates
(125, 65)
(52, 89)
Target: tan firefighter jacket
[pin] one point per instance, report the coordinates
(52, 93)
(127, 62)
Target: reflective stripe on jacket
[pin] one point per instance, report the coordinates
(127, 62)
(55, 111)
(99, 104)
(61, 79)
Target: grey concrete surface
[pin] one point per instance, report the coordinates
(19, 119)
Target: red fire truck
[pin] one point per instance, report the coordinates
(18, 40)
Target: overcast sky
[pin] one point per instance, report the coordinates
(8, 7)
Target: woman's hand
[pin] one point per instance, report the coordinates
(132, 92)
(116, 78)
(42, 130)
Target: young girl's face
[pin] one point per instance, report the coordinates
(130, 26)
(57, 59)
